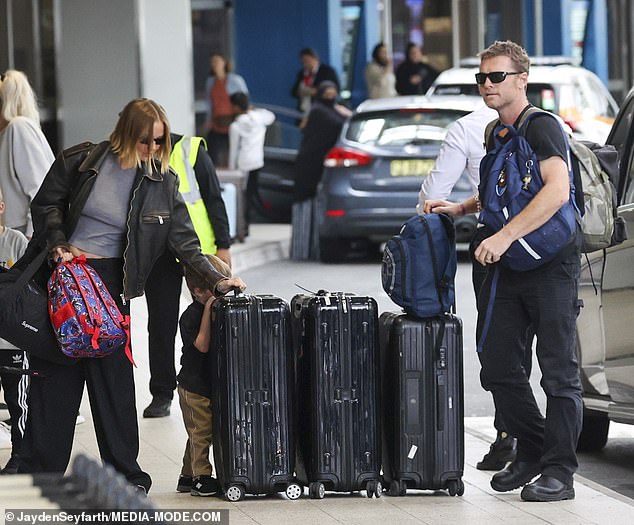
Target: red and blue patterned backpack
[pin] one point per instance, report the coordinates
(85, 318)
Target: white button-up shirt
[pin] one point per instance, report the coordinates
(462, 149)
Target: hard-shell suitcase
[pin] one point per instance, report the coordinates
(336, 344)
(251, 361)
(423, 406)
(239, 179)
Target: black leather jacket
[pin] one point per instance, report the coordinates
(157, 218)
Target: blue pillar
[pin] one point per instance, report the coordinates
(557, 27)
(595, 47)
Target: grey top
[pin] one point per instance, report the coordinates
(102, 224)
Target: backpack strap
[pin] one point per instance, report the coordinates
(489, 130)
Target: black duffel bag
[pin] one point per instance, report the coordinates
(24, 320)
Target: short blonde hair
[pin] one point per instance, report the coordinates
(194, 280)
(17, 98)
(136, 122)
(509, 49)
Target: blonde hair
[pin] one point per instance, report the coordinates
(17, 98)
(509, 49)
(136, 122)
(194, 280)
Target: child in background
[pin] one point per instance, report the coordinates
(16, 386)
(246, 141)
(194, 385)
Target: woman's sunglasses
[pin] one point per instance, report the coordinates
(495, 76)
(159, 141)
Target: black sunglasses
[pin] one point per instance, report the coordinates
(495, 76)
(159, 141)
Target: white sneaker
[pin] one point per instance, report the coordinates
(5, 436)
(80, 419)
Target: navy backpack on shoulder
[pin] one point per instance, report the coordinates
(509, 179)
(419, 266)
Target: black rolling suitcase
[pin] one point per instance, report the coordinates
(422, 403)
(336, 343)
(253, 431)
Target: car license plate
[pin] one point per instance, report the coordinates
(411, 167)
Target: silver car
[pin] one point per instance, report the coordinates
(605, 327)
(372, 176)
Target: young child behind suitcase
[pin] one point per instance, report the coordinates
(15, 386)
(194, 385)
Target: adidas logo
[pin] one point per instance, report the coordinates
(30, 327)
(16, 358)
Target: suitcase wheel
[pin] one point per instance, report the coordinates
(316, 490)
(397, 488)
(374, 488)
(455, 487)
(294, 491)
(234, 493)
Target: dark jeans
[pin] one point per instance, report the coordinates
(162, 294)
(546, 299)
(55, 398)
(478, 276)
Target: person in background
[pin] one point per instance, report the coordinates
(25, 155)
(462, 150)
(414, 75)
(200, 189)
(195, 387)
(309, 77)
(116, 203)
(379, 76)
(221, 84)
(15, 385)
(246, 143)
(545, 298)
(325, 120)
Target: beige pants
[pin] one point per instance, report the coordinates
(196, 411)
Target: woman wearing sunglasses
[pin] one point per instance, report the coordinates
(116, 203)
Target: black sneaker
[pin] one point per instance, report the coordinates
(503, 450)
(184, 483)
(205, 486)
(158, 408)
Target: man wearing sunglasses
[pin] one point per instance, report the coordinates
(544, 298)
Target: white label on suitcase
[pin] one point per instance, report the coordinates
(344, 305)
(450, 402)
(412, 452)
(327, 300)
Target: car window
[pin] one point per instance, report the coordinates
(399, 127)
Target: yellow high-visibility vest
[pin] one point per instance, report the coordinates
(182, 160)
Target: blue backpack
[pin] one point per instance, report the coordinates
(509, 179)
(419, 266)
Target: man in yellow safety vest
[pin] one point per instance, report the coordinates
(201, 190)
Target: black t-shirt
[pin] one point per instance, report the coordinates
(195, 375)
(545, 136)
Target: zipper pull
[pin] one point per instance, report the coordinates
(160, 219)
(123, 299)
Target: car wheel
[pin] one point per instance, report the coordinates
(594, 432)
(332, 250)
